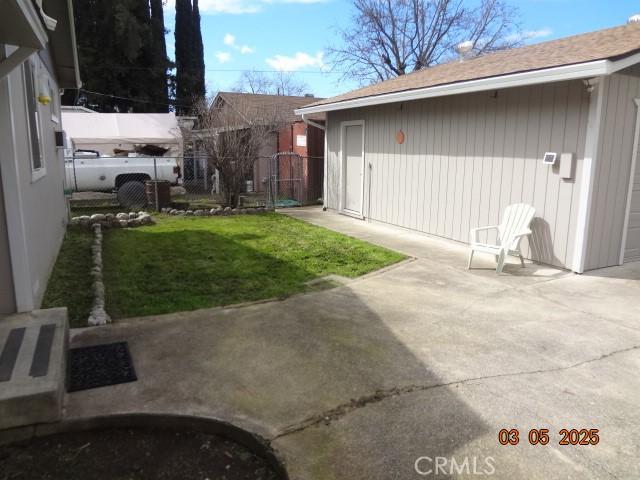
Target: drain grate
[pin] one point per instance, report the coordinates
(99, 366)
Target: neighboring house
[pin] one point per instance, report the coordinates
(446, 149)
(37, 60)
(292, 135)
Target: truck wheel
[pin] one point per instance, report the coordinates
(132, 196)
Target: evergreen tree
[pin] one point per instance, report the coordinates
(189, 55)
(159, 61)
(184, 63)
(198, 54)
(117, 57)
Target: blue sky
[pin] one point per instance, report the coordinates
(293, 35)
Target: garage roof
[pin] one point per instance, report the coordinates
(579, 56)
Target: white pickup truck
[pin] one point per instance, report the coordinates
(88, 171)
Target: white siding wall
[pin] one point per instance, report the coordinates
(44, 209)
(466, 157)
(613, 163)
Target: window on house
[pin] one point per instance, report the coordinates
(55, 102)
(33, 120)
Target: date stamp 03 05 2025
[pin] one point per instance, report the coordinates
(540, 436)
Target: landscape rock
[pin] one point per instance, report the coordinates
(122, 216)
(145, 219)
(124, 223)
(98, 217)
(132, 215)
(98, 316)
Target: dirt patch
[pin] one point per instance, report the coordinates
(132, 454)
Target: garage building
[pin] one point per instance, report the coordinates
(446, 149)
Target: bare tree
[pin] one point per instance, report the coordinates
(253, 81)
(286, 84)
(232, 142)
(277, 83)
(389, 38)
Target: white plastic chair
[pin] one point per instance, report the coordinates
(515, 225)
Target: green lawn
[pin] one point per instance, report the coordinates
(185, 263)
(70, 281)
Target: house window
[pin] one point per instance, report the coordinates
(33, 121)
(55, 102)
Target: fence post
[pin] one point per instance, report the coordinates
(155, 183)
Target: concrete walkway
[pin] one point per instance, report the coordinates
(425, 359)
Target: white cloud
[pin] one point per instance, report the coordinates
(223, 57)
(230, 41)
(543, 32)
(296, 62)
(237, 6)
(529, 35)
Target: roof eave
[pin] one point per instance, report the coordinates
(534, 77)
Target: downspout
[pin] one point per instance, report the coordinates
(326, 156)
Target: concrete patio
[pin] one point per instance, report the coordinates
(424, 359)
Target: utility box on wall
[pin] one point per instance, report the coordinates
(567, 161)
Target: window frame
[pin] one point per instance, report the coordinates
(55, 101)
(30, 68)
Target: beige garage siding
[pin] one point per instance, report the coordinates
(613, 164)
(468, 156)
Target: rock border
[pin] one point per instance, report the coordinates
(98, 315)
(219, 211)
(109, 220)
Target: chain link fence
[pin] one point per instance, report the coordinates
(115, 184)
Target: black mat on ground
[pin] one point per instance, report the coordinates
(99, 366)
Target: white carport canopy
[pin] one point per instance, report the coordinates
(106, 131)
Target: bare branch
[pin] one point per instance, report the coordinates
(231, 137)
(278, 83)
(391, 38)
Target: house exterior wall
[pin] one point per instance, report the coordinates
(612, 168)
(466, 157)
(38, 202)
(312, 155)
(312, 167)
(7, 294)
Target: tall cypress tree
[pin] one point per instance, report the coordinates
(198, 54)
(183, 46)
(159, 61)
(117, 57)
(189, 55)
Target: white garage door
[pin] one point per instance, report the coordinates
(353, 170)
(632, 249)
